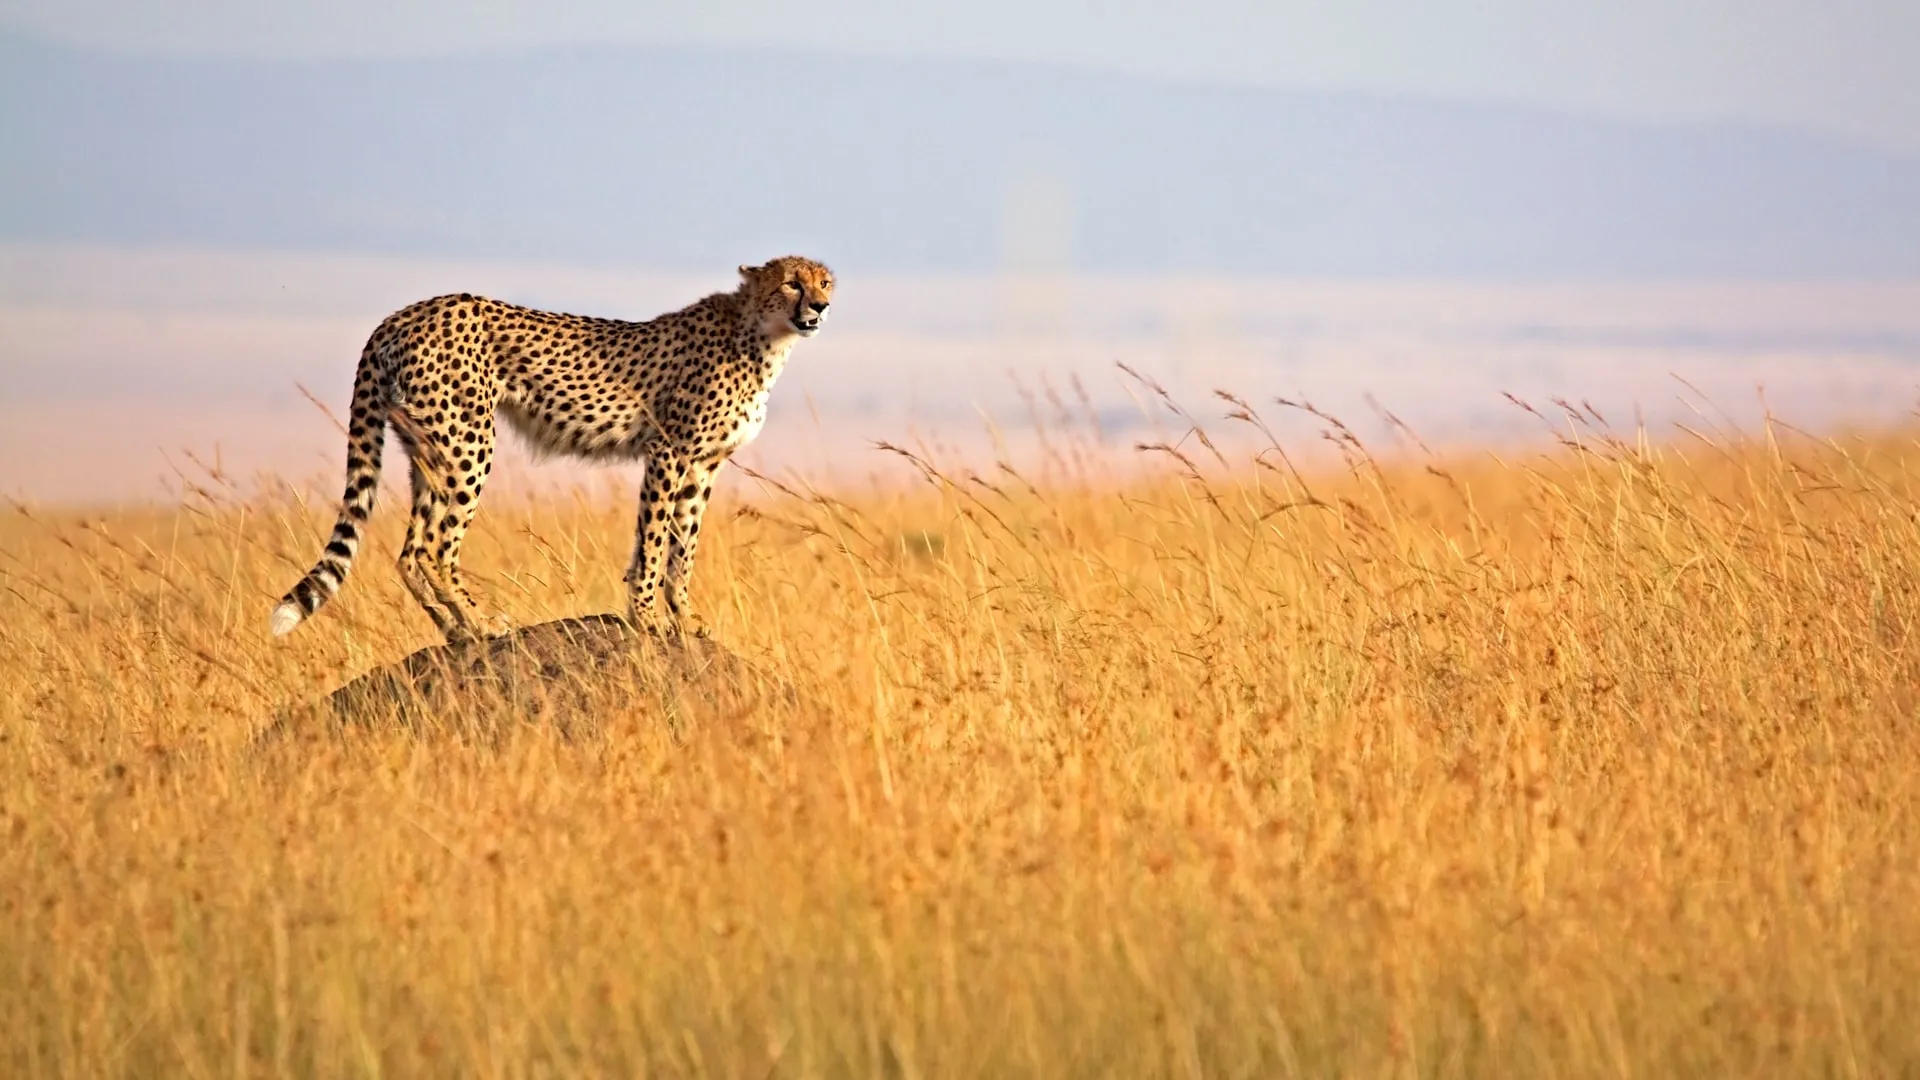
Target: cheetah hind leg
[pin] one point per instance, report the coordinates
(474, 465)
(423, 556)
(422, 578)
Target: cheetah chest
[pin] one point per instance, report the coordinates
(745, 424)
(744, 421)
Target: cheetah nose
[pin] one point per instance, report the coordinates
(818, 306)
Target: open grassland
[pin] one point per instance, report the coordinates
(1591, 762)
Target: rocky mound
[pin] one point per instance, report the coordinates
(568, 673)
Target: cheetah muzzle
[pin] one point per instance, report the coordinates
(682, 391)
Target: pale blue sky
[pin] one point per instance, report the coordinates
(1842, 66)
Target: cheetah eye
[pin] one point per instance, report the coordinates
(794, 285)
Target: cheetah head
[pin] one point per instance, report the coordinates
(789, 295)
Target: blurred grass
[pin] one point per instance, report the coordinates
(1591, 762)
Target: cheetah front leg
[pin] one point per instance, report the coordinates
(644, 572)
(683, 541)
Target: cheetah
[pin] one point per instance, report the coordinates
(682, 392)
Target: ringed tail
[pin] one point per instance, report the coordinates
(366, 435)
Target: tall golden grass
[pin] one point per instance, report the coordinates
(1591, 761)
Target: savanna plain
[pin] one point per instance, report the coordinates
(1227, 760)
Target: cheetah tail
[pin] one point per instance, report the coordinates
(364, 442)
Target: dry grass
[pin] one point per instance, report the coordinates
(1596, 762)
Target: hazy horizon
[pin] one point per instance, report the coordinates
(208, 205)
(124, 361)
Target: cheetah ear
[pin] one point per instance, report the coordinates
(750, 272)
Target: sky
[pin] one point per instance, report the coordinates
(1844, 67)
(233, 315)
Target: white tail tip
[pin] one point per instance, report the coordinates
(285, 618)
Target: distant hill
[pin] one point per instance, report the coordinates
(687, 157)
